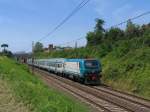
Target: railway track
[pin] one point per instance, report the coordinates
(126, 96)
(105, 99)
(79, 94)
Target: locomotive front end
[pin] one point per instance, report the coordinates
(92, 72)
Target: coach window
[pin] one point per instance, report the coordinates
(59, 65)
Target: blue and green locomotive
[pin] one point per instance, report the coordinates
(84, 70)
(87, 71)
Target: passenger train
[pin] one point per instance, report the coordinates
(87, 71)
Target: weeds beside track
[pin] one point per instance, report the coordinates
(107, 100)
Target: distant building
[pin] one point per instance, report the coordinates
(55, 48)
(49, 49)
(46, 50)
(22, 56)
(67, 48)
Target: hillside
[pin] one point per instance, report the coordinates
(124, 54)
(17, 81)
(128, 71)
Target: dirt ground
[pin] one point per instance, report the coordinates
(8, 103)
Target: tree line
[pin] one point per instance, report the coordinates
(100, 35)
(105, 41)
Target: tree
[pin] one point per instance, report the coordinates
(90, 38)
(99, 31)
(99, 25)
(96, 37)
(4, 46)
(146, 35)
(38, 47)
(132, 30)
(5, 51)
(8, 53)
(114, 34)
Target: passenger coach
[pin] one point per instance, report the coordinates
(87, 71)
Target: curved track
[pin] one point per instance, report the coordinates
(103, 98)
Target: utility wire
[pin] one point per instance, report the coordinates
(82, 4)
(136, 17)
(79, 6)
(71, 41)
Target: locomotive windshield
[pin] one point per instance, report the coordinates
(91, 64)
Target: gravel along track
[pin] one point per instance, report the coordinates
(123, 95)
(104, 99)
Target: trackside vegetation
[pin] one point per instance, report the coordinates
(125, 56)
(8, 103)
(34, 94)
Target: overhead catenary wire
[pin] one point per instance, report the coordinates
(75, 10)
(133, 18)
(81, 5)
(71, 41)
(116, 25)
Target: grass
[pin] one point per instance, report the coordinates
(130, 72)
(8, 102)
(33, 92)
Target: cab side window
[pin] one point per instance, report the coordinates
(80, 65)
(59, 65)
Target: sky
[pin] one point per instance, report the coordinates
(24, 21)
